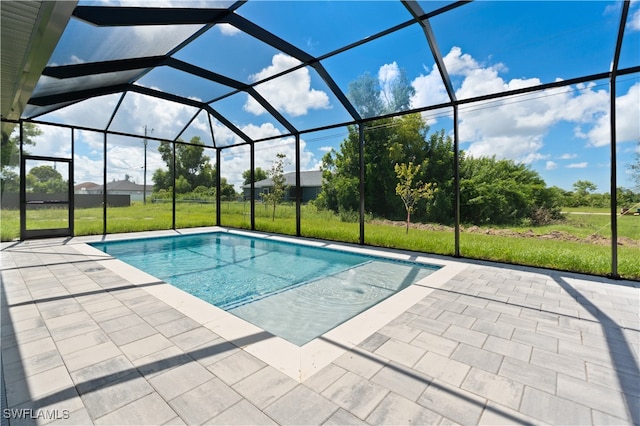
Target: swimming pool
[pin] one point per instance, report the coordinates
(294, 291)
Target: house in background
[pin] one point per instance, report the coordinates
(116, 187)
(310, 184)
(85, 188)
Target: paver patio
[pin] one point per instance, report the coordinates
(495, 344)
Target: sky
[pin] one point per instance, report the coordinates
(487, 46)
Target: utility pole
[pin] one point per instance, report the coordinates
(144, 180)
(144, 183)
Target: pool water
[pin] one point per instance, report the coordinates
(294, 291)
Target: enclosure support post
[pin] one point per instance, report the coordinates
(23, 187)
(298, 190)
(173, 173)
(104, 185)
(72, 194)
(252, 198)
(614, 197)
(218, 206)
(144, 178)
(361, 158)
(456, 182)
(612, 123)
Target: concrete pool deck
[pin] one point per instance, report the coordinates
(87, 339)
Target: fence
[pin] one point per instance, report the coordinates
(11, 200)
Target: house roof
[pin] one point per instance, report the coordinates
(86, 185)
(310, 178)
(117, 185)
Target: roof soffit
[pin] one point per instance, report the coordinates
(30, 32)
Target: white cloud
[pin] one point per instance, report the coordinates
(53, 142)
(76, 60)
(429, 90)
(627, 122)
(325, 148)
(93, 140)
(584, 107)
(582, 165)
(480, 81)
(290, 93)
(520, 148)
(567, 156)
(124, 155)
(514, 127)
(87, 169)
(91, 113)
(612, 9)
(551, 165)
(265, 130)
(634, 22)
(228, 29)
(387, 74)
(165, 117)
(458, 63)
(137, 110)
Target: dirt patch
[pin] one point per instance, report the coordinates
(552, 235)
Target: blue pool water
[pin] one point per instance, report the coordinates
(294, 291)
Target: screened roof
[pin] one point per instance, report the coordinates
(236, 72)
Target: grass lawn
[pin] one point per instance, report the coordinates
(578, 244)
(585, 210)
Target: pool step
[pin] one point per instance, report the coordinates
(250, 298)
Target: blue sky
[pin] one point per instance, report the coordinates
(488, 46)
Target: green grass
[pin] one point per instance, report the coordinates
(563, 255)
(586, 209)
(587, 225)
(438, 242)
(583, 255)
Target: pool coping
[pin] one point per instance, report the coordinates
(297, 362)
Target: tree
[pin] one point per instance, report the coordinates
(387, 142)
(626, 197)
(502, 192)
(10, 156)
(492, 191)
(371, 99)
(440, 151)
(582, 195)
(258, 175)
(162, 180)
(182, 185)
(45, 180)
(398, 95)
(227, 191)
(410, 191)
(584, 187)
(364, 94)
(279, 187)
(191, 164)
